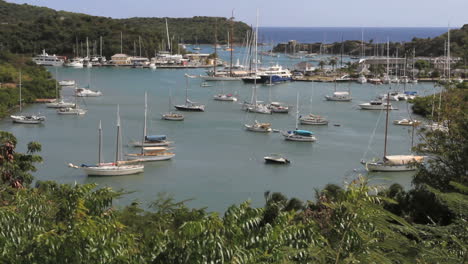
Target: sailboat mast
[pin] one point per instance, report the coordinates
(144, 125)
(87, 48)
(186, 88)
(448, 53)
(388, 58)
(56, 87)
(117, 152)
(100, 48)
(20, 100)
(121, 43)
(256, 54)
(167, 33)
(230, 41)
(100, 144)
(215, 47)
(386, 126)
(139, 44)
(297, 111)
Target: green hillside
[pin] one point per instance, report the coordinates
(28, 29)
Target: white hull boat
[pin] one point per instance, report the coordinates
(71, 111)
(22, 119)
(313, 120)
(291, 136)
(225, 97)
(83, 92)
(395, 163)
(172, 117)
(60, 104)
(67, 83)
(376, 106)
(258, 127)
(219, 78)
(150, 157)
(406, 122)
(112, 170)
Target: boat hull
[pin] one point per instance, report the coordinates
(151, 144)
(218, 78)
(189, 108)
(331, 98)
(375, 166)
(312, 122)
(25, 120)
(148, 158)
(257, 129)
(113, 170)
(299, 138)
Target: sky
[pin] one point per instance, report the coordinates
(280, 13)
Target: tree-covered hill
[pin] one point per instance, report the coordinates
(29, 29)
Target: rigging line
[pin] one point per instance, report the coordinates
(372, 136)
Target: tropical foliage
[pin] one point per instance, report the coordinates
(37, 82)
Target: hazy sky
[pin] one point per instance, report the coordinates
(297, 13)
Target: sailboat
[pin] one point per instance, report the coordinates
(57, 103)
(116, 168)
(152, 140)
(393, 162)
(74, 110)
(299, 134)
(342, 96)
(25, 119)
(189, 105)
(196, 43)
(152, 147)
(312, 119)
(86, 92)
(172, 116)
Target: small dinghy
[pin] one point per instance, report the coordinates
(277, 159)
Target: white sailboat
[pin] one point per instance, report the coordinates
(172, 116)
(116, 168)
(393, 162)
(377, 105)
(67, 83)
(312, 119)
(58, 103)
(86, 92)
(226, 97)
(74, 110)
(258, 127)
(189, 105)
(342, 96)
(152, 140)
(298, 134)
(25, 119)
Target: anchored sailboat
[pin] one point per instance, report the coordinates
(299, 134)
(189, 105)
(25, 119)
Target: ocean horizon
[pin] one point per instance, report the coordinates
(337, 34)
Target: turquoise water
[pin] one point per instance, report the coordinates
(217, 162)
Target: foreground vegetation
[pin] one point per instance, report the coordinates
(359, 223)
(29, 29)
(37, 82)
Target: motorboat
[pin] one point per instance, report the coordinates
(85, 92)
(171, 116)
(48, 60)
(361, 79)
(225, 97)
(312, 119)
(258, 127)
(276, 159)
(406, 122)
(376, 105)
(67, 83)
(277, 107)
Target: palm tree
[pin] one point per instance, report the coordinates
(321, 64)
(333, 63)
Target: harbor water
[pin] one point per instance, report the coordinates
(217, 162)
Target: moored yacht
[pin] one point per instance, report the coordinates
(376, 105)
(48, 60)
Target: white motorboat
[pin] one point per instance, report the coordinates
(67, 83)
(84, 92)
(117, 168)
(48, 60)
(225, 97)
(277, 107)
(406, 122)
(312, 119)
(276, 159)
(189, 105)
(361, 79)
(298, 134)
(71, 111)
(258, 127)
(25, 119)
(376, 105)
(75, 63)
(393, 162)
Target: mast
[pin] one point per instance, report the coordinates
(386, 126)
(168, 40)
(118, 147)
(100, 144)
(297, 111)
(215, 47)
(56, 87)
(388, 59)
(20, 100)
(100, 44)
(121, 43)
(448, 53)
(186, 88)
(139, 44)
(144, 125)
(256, 54)
(87, 48)
(230, 40)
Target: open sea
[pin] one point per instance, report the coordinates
(336, 34)
(217, 162)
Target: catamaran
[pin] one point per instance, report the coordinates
(119, 167)
(25, 119)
